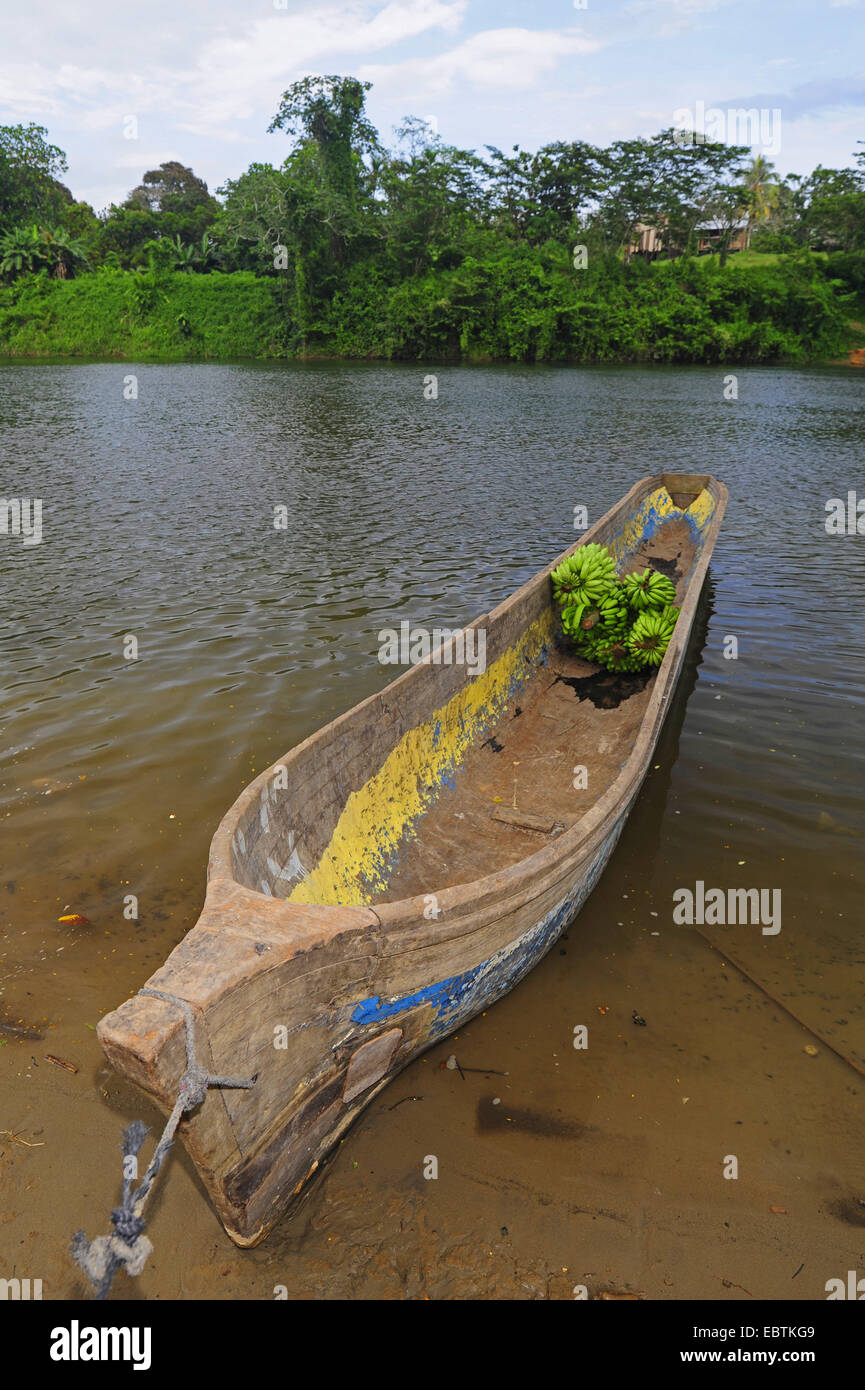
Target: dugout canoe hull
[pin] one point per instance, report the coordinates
(402, 869)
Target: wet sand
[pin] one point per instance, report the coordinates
(600, 1167)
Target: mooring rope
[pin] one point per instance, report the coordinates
(101, 1258)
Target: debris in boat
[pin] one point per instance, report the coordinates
(525, 820)
(614, 1297)
(811, 1050)
(603, 1009)
(638, 1019)
(60, 1062)
(17, 1139)
(779, 1211)
(75, 919)
(452, 1064)
(799, 1270)
(402, 1102)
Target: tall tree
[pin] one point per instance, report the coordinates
(761, 192)
(171, 188)
(30, 166)
(834, 214)
(433, 197)
(327, 115)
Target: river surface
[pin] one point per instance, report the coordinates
(158, 526)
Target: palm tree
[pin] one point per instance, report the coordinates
(195, 255)
(21, 252)
(64, 252)
(184, 256)
(761, 193)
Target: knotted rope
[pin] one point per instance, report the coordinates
(101, 1258)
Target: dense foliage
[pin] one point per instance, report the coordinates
(427, 250)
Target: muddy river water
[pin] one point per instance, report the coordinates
(557, 1167)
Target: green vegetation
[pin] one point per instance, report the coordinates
(428, 251)
(115, 314)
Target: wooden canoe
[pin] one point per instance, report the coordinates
(403, 868)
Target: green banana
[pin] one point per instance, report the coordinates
(650, 635)
(648, 590)
(583, 577)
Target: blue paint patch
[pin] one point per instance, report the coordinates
(461, 996)
(441, 995)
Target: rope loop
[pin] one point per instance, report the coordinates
(101, 1258)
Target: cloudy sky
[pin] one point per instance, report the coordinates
(198, 80)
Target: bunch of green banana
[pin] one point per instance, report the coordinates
(616, 655)
(624, 625)
(571, 617)
(593, 642)
(650, 635)
(613, 609)
(584, 577)
(648, 590)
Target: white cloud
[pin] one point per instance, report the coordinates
(684, 8)
(673, 16)
(232, 73)
(148, 160)
(499, 60)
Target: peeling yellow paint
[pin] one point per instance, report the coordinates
(702, 509)
(379, 817)
(382, 813)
